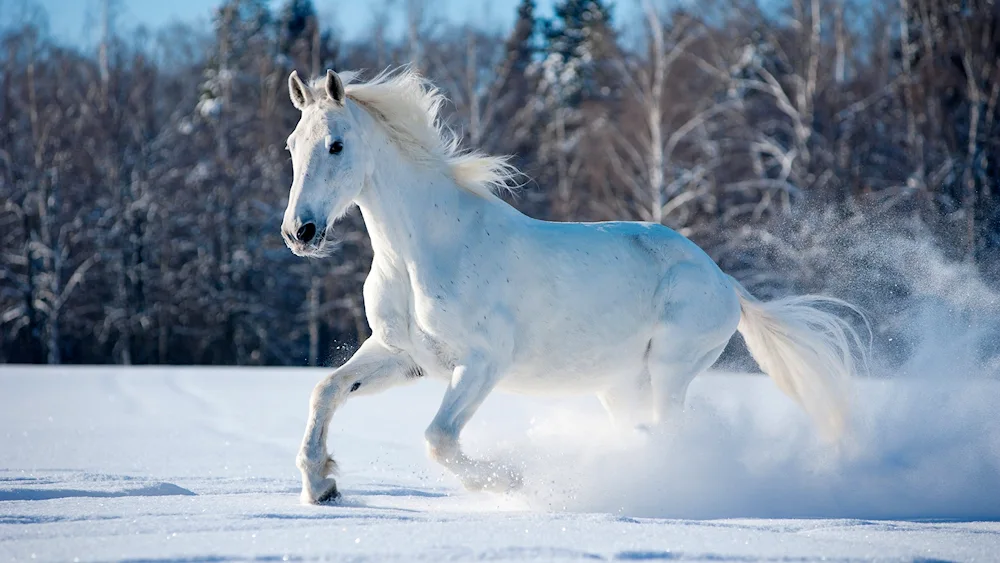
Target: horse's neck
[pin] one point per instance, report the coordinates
(413, 212)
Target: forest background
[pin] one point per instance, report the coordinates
(837, 146)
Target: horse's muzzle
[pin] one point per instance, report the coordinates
(307, 239)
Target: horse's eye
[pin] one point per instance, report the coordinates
(336, 147)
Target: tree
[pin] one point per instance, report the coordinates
(953, 49)
(579, 45)
(647, 158)
(580, 42)
(520, 86)
(297, 25)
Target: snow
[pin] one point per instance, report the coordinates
(197, 464)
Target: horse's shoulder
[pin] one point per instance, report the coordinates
(386, 306)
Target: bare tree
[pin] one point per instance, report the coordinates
(643, 159)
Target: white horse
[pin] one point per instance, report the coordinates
(465, 288)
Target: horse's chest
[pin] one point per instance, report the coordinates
(419, 323)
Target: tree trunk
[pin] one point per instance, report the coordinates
(313, 314)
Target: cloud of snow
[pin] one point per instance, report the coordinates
(920, 450)
(925, 441)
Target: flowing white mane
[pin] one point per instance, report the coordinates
(407, 105)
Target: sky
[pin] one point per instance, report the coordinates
(76, 21)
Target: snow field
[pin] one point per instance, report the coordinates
(197, 464)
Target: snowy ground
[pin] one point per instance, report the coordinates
(197, 465)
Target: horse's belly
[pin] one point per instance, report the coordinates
(561, 369)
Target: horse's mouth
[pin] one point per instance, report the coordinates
(320, 247)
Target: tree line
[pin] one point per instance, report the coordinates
(142, 184)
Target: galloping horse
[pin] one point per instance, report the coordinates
(465, 288)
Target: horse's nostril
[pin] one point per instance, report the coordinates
(306, 232)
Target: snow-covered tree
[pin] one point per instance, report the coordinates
(580, 43)
(576, 70)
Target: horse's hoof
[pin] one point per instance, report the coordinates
(325, 493)
(332, 495)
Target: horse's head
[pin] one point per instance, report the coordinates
(327, 164)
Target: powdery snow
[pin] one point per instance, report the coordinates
(102, 464)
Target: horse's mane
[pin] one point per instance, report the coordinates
(407, 106)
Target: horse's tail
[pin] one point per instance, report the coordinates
(807, 351)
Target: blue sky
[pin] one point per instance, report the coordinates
(76, 21)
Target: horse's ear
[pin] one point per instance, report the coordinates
(299, 92)
(335, 87)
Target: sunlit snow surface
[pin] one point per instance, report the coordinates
(101, 464)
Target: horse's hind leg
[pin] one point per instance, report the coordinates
(671, 369)
(629, 404)
(697, 320)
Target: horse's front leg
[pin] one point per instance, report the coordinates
(373, 368)
(470, 384)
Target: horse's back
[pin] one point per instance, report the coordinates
(612, 257)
